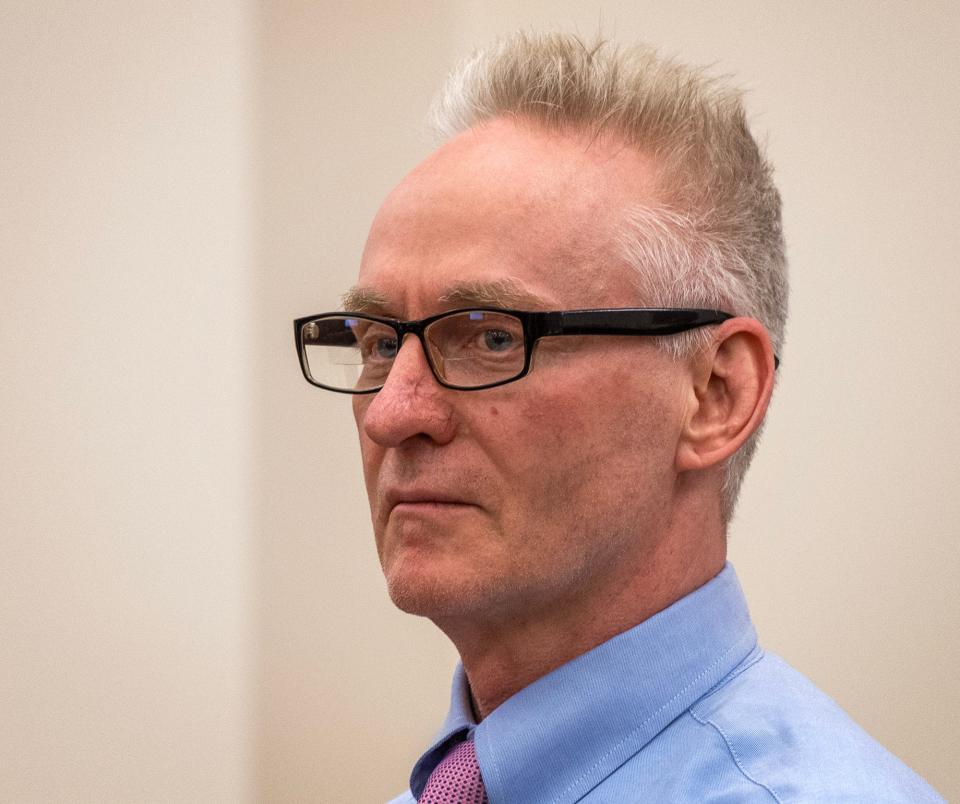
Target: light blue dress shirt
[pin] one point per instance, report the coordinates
(683, 708)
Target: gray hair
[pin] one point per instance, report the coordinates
(714, 238)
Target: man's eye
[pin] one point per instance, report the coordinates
(498, 340)
(379, 349)
(387, 348)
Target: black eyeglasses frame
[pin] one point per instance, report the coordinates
(645, 321)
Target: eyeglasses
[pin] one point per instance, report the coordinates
(469, 349)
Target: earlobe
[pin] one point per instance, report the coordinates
(730, 388)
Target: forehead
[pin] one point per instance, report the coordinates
(514, 215)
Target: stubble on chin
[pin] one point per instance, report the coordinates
(482, 589)
(434, 594)
(429, 575)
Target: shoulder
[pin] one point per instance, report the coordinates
(789, 737)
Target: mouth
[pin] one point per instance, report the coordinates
(425, 501)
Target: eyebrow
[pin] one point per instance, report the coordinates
(364, 300)
(505, 293)
(499, 293)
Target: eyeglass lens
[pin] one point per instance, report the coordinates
(467, 349)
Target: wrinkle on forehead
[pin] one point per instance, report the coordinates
(515, 201)
(562, 182)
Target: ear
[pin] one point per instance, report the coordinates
(730, 388)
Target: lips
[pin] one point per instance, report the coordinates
(424, 497)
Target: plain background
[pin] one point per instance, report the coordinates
(190, 603)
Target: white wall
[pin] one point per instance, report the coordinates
(125, 403)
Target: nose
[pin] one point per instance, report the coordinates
(411, 403)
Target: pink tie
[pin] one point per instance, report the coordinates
(456, 780)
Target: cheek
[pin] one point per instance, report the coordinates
(566, 456)
(359, 404)
(368, 449)
(371, 458)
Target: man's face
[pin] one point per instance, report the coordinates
(494, 504)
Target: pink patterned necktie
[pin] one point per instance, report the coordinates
(456, 780)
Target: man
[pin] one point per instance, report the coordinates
(562, 345)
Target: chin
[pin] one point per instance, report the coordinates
(428, 599)
(436, 595)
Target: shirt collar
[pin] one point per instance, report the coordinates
(459, 723)
(564, 733)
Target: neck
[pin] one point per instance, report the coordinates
(502, 655)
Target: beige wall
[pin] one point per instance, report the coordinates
(125, 401)
(190, 603)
